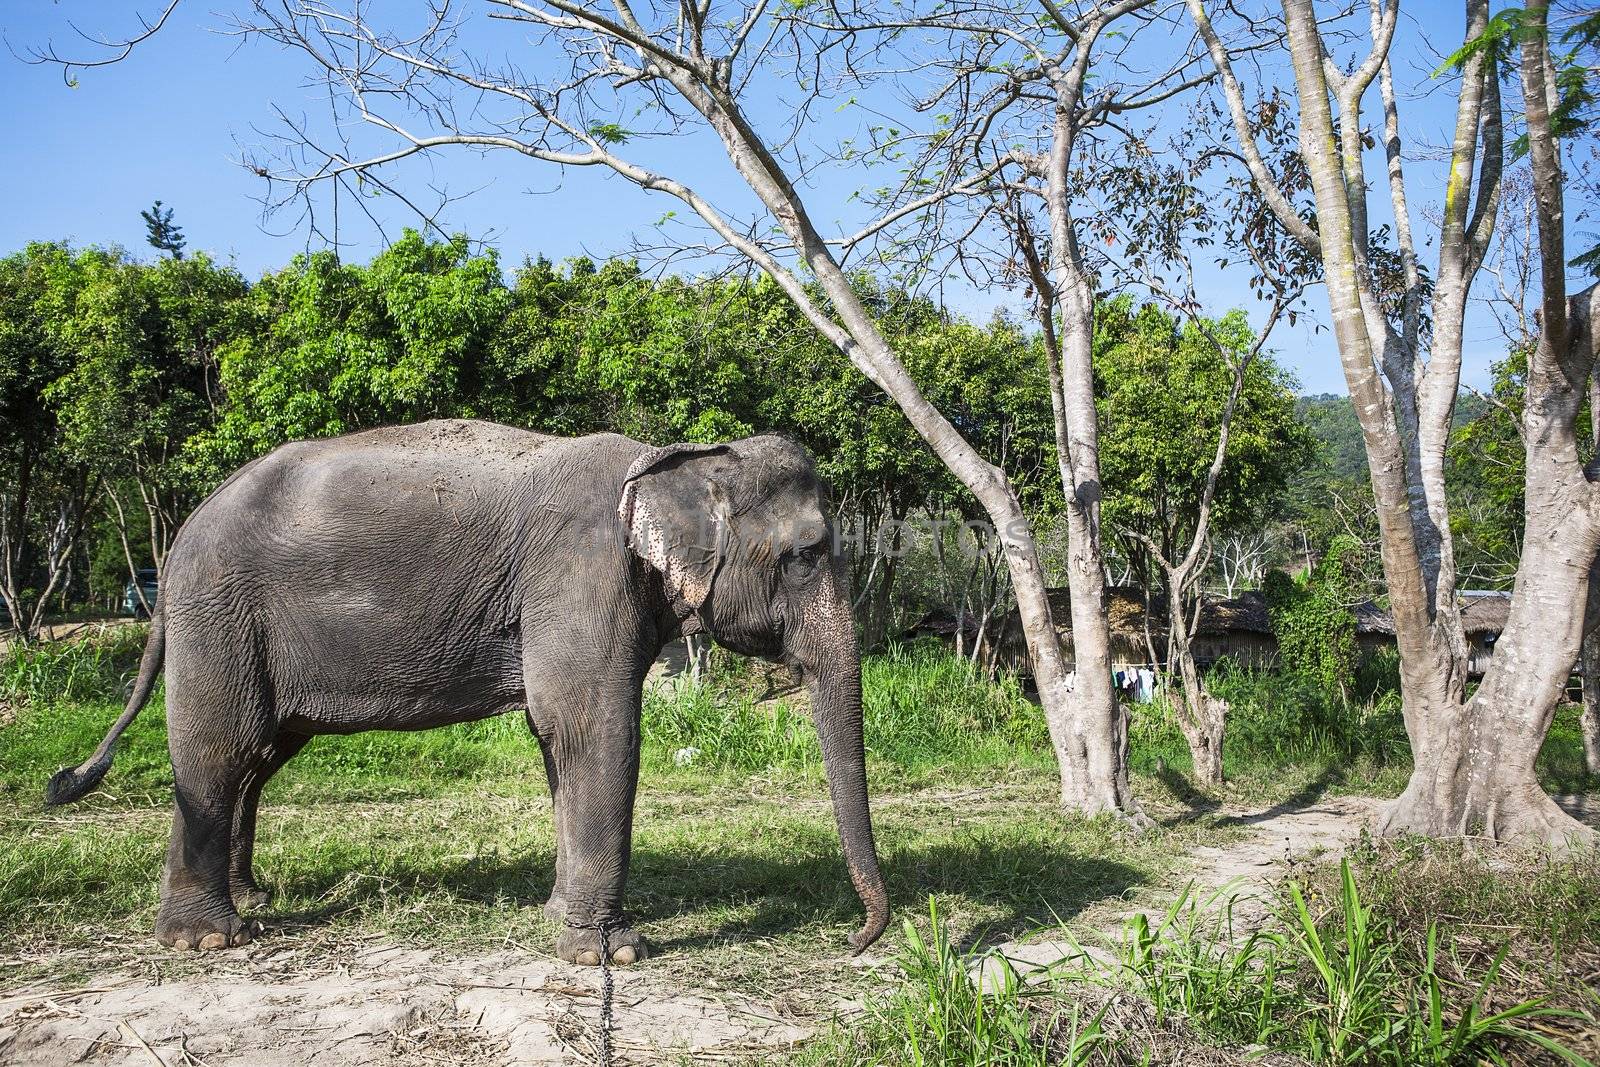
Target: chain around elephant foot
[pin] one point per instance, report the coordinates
(583, 943)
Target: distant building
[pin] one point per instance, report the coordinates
(1483, 617)
(1238, 628)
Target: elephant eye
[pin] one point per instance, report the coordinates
(801, 563)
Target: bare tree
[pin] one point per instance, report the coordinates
(41, 527)
(1202, 716)
(1031, 91)
(1473, 756)
(1241, 560)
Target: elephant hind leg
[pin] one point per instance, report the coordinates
(197, 910)
(219, 732)
(246, 891)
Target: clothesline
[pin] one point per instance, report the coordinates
(1138, 684)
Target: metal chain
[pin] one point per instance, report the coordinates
(605, 994)
(604, 927)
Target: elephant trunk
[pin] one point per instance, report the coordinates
(834, 682)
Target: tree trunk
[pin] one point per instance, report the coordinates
(1474, 773)
(1202, 717)
(1474, 759)
(1096, 723)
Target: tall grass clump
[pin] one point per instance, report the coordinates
(684, 723)
(1195, 964)
(99, 666)
(945, 1013)
(1337, 980)
(923, 704)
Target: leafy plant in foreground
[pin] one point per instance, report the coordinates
(1332, 987)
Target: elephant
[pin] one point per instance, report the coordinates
(412, 576)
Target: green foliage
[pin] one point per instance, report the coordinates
(1332, 981)
(1160, 391)
(944, 1015)
(1341, 454)
(330, 347)
(1313, 620)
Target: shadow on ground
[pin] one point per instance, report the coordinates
(1199, 804)
(695, 901)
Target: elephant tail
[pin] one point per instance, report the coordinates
(74, 783)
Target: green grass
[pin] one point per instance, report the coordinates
(444, 837)
(1344, 972)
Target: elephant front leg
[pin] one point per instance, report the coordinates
(598, 776)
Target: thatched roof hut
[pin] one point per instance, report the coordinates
(1483, 614)
(1484, 611)
(1237, 627)
(1245, 613)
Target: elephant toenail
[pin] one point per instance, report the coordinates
(213, 941)
(182, 944)
(241, 938)
(624, 955)
(589, 958)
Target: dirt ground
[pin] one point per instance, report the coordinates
(276, 1003)
(56, 631)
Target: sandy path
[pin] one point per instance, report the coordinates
(280, 1003)
(387, 1005)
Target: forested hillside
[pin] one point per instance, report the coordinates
(1484, 478)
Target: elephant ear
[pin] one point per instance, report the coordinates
(676, 516)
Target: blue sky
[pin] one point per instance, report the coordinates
(172, 121)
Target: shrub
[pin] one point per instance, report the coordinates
(1313, 621)
(97, 666)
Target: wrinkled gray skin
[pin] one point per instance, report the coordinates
(410, 577)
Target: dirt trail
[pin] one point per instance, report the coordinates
(392, 1006)
(1273, 839)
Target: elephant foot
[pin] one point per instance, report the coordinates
(204, 933)
(555, 909)
(581, 945)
